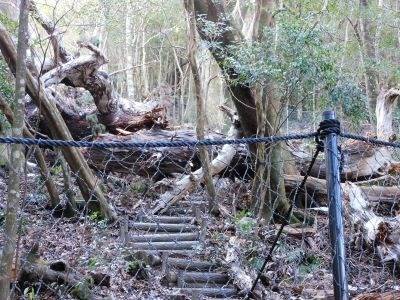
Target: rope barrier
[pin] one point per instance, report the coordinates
(369, 140)
(326, 127)
(151, 144)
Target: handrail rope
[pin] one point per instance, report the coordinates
(152, 144)
(369, 140)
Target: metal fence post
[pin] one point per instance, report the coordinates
(336, 229)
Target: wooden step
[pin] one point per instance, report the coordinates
(203, 285)
(167, 219)
(208, 292)
(165, 237)
(190, 204)
(189, 253)
(179, 211)
(181, 277)
(162, 227)
(190, 265)
(165, 245)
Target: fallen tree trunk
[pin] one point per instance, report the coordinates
(316, 190)
(241, 278)
(164, 161)
(82, 121)
(360, 160)
(380, 233)
(376, 231)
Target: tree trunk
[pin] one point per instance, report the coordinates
(128, 49)
(242, 94)
(384, 111)
(44, 171)
(17, 155)
(369, 56)
(198, 90)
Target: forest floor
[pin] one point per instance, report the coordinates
(300, 268)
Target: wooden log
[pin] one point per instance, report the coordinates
(166, 219)
(89, 187)
(179, 210)
(163, 161)
(182, 284)
(384, 110)
(380, 233)
(182, 245)
(198, 277)
(317, 188)
(392, 295)
(170, 237)
(189, 253)
(191, 265)
(360, 160)
(381, 194)
(242, 278)
(208, 292)
(163, 227)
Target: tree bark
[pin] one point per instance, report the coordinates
(128, 49)
(369, 56)
(17, 156)
(242, 94)
(51, 188)
(199, 92)
(384, 111)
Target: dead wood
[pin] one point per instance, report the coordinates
(174, 245)
(392, 295)
(197, 277)
(360, 160)
(190, 265)
(380, 233)
(162, 162)
(160, 227)
(384, 111)
(170, 237)
(316, 190)
(207, 292)
(242, 278)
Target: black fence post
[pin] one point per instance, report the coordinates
(336, 229)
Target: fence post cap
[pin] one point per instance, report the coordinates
(329, 115)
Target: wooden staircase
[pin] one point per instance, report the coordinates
(176, 240)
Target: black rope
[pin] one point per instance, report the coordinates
(319, 148)
(369, 140)
(151, 144)
(327, 127)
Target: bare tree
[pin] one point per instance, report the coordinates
(17, 155)
(199, 92)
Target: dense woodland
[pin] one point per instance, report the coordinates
(195, 222)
